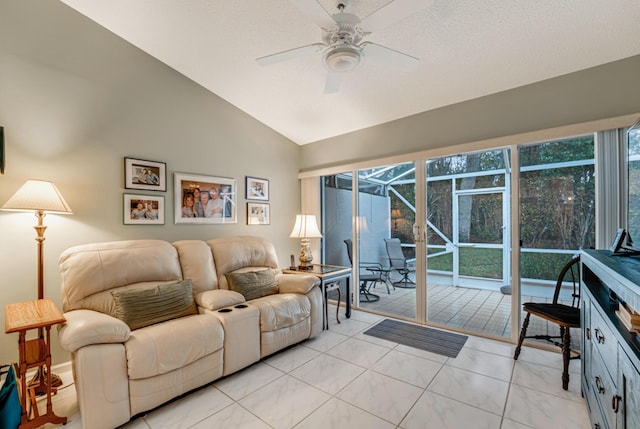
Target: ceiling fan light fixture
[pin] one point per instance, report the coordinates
(342, 59)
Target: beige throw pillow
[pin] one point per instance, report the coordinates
(143, 307)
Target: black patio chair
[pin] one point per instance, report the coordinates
(374, 273)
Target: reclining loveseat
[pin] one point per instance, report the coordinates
(149, 320)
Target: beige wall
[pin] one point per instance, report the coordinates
(74, 101)
(606, 91)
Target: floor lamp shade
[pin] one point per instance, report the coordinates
(38, 195)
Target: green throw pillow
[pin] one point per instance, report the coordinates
(143, 307)
(253, 284)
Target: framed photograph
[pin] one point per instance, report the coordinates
(205, 199)
(143, 209)
(258, 214)
(145, 175)
(257, 189)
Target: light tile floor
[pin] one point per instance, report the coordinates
(345, 379)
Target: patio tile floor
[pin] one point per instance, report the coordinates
(482, 311)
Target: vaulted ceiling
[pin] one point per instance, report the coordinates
(466, 49)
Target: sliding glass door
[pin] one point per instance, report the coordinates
(468, 241)
(385, 221)
(557, 216)
(431, 240)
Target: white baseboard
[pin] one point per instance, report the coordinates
(55, 369)
(62, 367)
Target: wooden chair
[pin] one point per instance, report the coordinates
(565, 316)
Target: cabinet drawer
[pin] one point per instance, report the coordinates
(603, 388)
(604, 341)
(585, 346)
(629, 391)
(595, 414)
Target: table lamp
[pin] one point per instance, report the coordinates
(40, 197)
(305, 228)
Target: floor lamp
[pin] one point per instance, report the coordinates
(40, 197)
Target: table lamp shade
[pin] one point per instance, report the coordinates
(305, 227)
(38, 195)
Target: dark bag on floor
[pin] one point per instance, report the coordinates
(10, 402)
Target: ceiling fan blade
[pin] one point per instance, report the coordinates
(316, 13)
(388, 57)
(332, 85)
(289, 54)
(392, 12)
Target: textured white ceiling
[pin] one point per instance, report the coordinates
(467, 49)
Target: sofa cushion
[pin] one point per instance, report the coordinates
(89, 269)
(86, 327)
(238, 252)
(282, 310)
(253, 284)
(143, 307)
(197, 264)
(296, 283)
(216, 299)
(164, 347)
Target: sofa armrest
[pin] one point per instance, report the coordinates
(219, 298)
(297, 283)
(85, 327)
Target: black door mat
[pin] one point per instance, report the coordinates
(420, 337)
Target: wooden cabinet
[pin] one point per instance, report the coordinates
(610, 353)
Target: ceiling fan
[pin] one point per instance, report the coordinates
(343, 46)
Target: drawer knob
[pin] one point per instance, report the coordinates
(599, 385)
(615, 403)
(599, 336)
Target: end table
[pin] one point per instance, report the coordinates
(21, 317)
(328, 274)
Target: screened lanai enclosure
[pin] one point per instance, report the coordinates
(454, 217)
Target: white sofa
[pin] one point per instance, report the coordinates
(120, 372)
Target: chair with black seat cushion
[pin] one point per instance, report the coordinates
(367, 277)
(400, 263)
(564, 315)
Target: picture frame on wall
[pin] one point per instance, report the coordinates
(145, 175)
(258, 214)
(257, 189)
(1, 150)
(143, 209)
(203, 199)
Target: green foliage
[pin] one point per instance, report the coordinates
(557, 204)
(558, 208)
(487, 263)
(474, 262)
(574, 149)
(543, 266)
